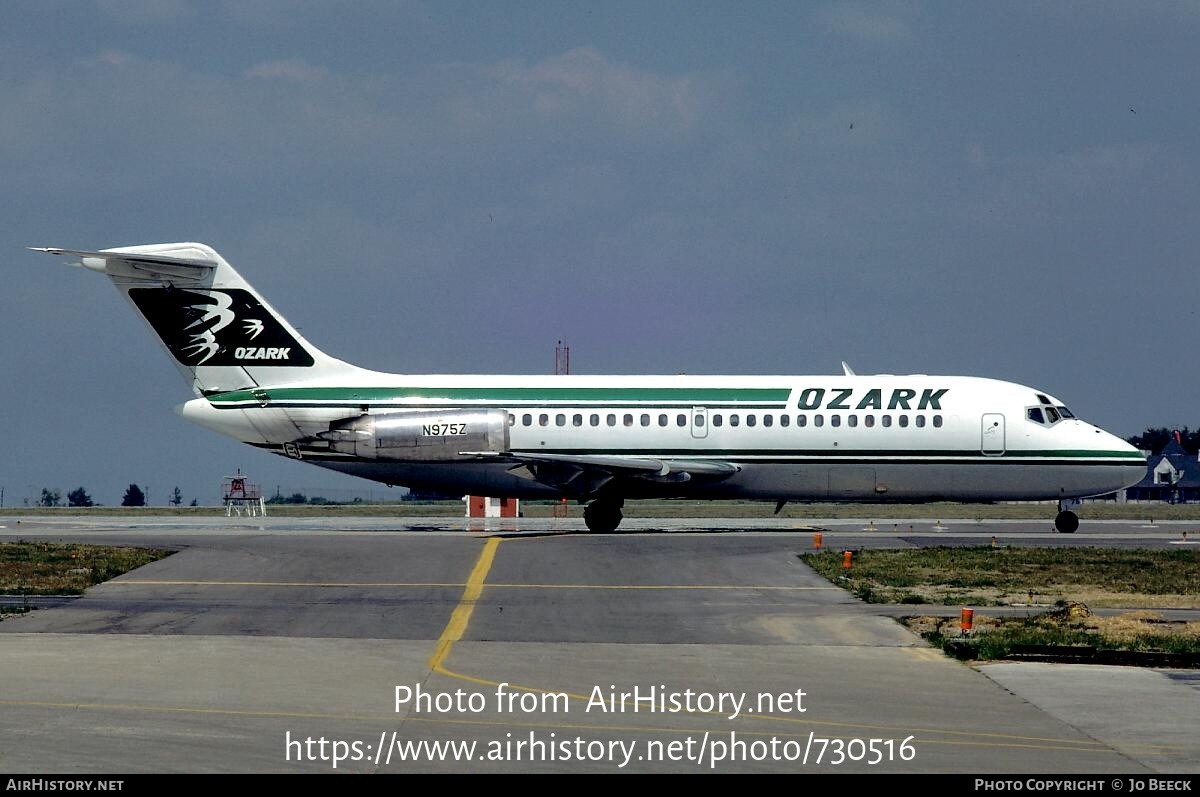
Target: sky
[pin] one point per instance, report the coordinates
(1007, 189)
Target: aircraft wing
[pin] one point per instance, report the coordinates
(139, 265)
(582, 475)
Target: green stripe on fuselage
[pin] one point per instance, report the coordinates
(872, 454)
(609, 395)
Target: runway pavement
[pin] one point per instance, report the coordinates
(262, 636)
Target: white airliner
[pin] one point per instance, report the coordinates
(602, 439)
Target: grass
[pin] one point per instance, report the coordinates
(41, 568)
(1068, 577)
(985, 576)
(682, 509)
(996, 638)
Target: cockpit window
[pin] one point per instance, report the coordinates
(1066, 413)
(1035, 414)
(1052, 414)
(1043, 399)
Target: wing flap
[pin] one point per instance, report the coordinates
(583, 475)
(640, 465)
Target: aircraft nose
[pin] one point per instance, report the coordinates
(1118, 444)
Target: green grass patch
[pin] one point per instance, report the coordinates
(986, 576)
(47, 568)
(996, 638)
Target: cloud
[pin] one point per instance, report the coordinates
(143, 12)
(277, 114)
(1120, 11)
(289, 69)
(1038, 182)
(1094, 166)
(583, 80)
(114, 58)
(868, 23)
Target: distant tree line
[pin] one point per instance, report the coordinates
(79, 497)
(301, 498)
(1155, 440)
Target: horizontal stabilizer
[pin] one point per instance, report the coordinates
(187, 264)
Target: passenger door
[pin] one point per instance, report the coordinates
(992, 434)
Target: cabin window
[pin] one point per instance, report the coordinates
(852, 420)
(612, 419)
(527, 419)
(768, 420)
(628, 419)
(681, 420)
(835, 420)
(645, 419)
(784, 420)
(751, 420)
(920, 421)
(560, 419)
(718, 420)
(904, 421)
(937, 421)
(699, 420)
(1035, 414)
(802, 420)
(594, 419)
(512, 419)
(577, 420)
(887, 421)
(663, 420)
(734, 420)
(869, 421)
(543, 419)
(818, 420)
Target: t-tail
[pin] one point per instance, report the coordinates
(219, 331)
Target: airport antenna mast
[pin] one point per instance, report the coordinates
(562, 359)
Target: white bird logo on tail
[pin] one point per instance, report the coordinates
(206, 342)
(253, 327)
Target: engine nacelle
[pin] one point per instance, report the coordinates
(428, 436)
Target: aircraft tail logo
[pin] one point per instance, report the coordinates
(200, 327)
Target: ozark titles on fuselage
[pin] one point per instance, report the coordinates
(840, 398)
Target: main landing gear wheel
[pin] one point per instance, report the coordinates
(602, 516)
(1066, 522)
